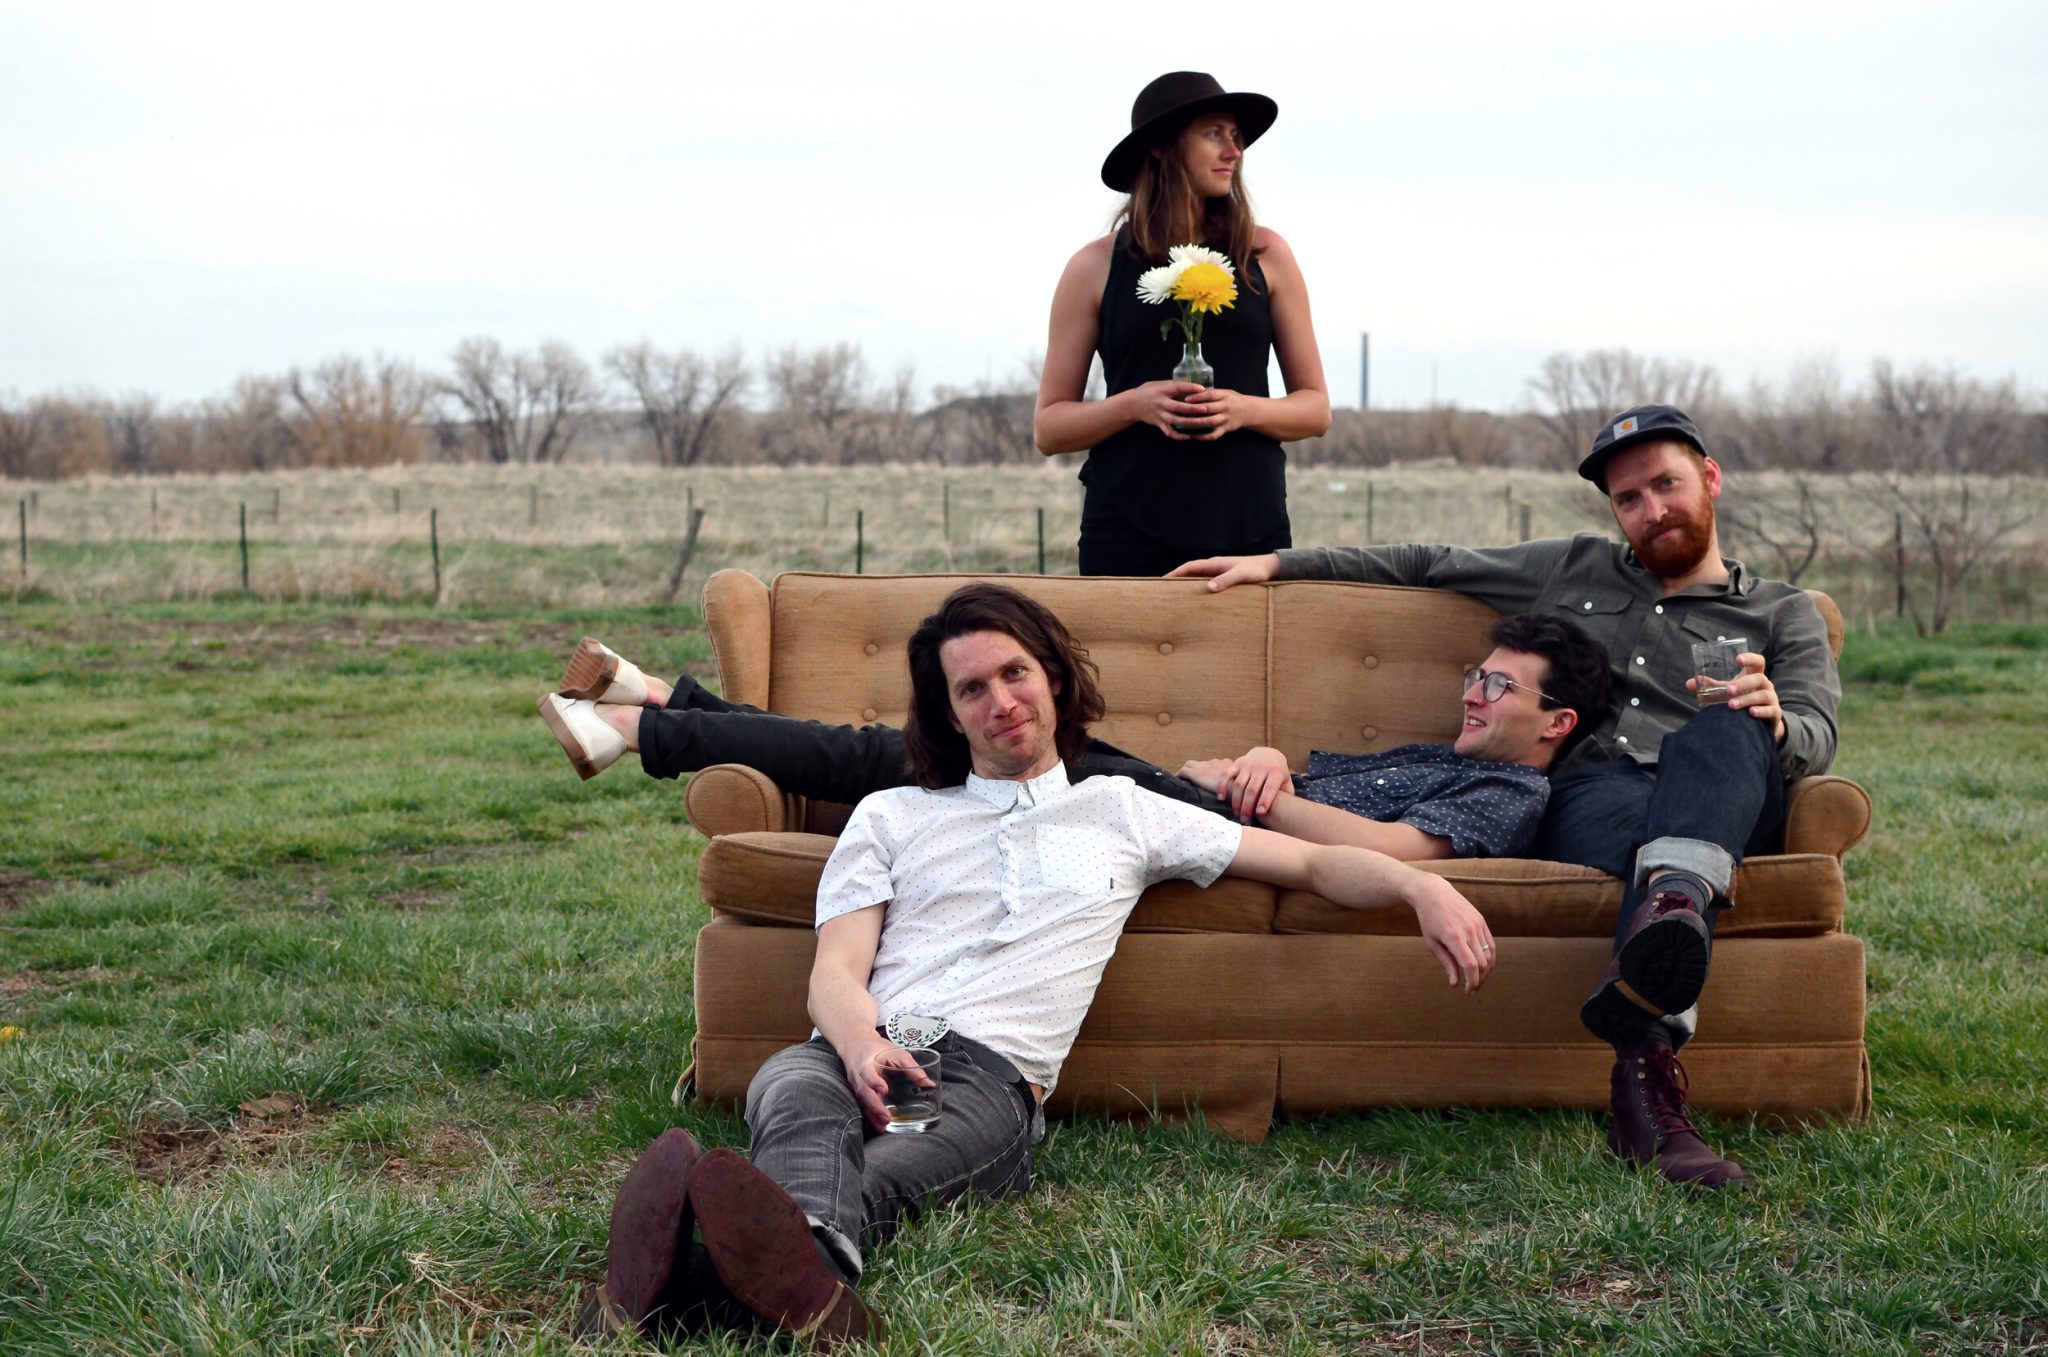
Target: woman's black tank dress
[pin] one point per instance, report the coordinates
(1150, 498)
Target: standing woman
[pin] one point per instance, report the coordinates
(1177, 470)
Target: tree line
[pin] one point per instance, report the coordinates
(824, 406)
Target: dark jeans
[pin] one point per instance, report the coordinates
(1717, 782)
(833, 763)
(857, 1185)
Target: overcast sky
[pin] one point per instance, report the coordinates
(190, 192)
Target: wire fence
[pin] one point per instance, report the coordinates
(590, 536)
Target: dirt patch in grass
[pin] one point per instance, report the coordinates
(22, 984)
(169, 1152)
(406, 901)
(1611, 1288)
(19, 888)
(437, 1156)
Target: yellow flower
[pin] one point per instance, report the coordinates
(10, 1033)
(1205, 287)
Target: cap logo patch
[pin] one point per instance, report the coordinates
(1623, 428)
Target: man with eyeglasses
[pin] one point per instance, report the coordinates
(1664, 793)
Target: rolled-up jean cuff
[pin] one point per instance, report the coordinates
(1708, 861)
(842, 1249)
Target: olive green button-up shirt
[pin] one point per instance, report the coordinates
(1600, 584)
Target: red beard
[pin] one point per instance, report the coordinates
(1671, 557)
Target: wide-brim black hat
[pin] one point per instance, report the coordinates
(1171, 102)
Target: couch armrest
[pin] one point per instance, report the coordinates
(740, 619)
(730, 798)
(1825, 814)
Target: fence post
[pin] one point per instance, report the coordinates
(276, 505)
(675, 575)
(245, 546)
(434, 539)
(1041, 539)
(1507, 494)
(152, 511)
(1525, 520)
(533, 504)
(24, 541)
(946, 512)
(1368, 513)
(394, 499)
(860, 541)
(1899, 557)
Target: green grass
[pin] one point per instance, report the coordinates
(328, 853)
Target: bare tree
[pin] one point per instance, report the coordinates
(1947, 447)
(21, 431)
(527, 408)
(134, 433)
(1790, 523)
(813, 396)
(349, 414)
(1575, 392)
(682, 395)
(247, 431)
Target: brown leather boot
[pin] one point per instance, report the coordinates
(650, 1224)
(1651, 1126)
(762, 1246)
(1664, 957)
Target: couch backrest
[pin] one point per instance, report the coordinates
(1186, 674)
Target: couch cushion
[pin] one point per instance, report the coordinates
(772, 878)
(1360, 668)
(1795, 895)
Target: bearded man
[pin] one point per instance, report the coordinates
(1665, 794)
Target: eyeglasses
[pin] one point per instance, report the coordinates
(1496, 685)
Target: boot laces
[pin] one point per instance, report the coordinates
(1668, 1111)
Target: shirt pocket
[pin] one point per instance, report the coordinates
(1077, 859)
(1598, 614)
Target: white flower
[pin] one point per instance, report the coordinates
(1180, 256)
(1156, 285)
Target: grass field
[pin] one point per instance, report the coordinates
(339, 1007)
(596, 536)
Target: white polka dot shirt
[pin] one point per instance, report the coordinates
(1005, 899)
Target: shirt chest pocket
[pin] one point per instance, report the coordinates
(1598, 614)
(1080, 860)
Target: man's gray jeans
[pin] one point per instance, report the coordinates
(857, 1185)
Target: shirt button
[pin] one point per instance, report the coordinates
(1635, 702)
(1379, 782)
(1660, 610)
(1639, 659)
(1622, 739)
(1589, 606)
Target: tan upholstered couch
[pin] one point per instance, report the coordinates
(1244, 1000)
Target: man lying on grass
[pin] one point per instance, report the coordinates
(976, 909)
(1545, 684)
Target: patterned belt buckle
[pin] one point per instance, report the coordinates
(914, 1032)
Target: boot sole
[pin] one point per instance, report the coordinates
(590, 672)
(762, 1246)
(650, 1224)
(1666, 962)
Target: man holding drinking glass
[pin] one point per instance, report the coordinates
(973, 914)
(1666, 793)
